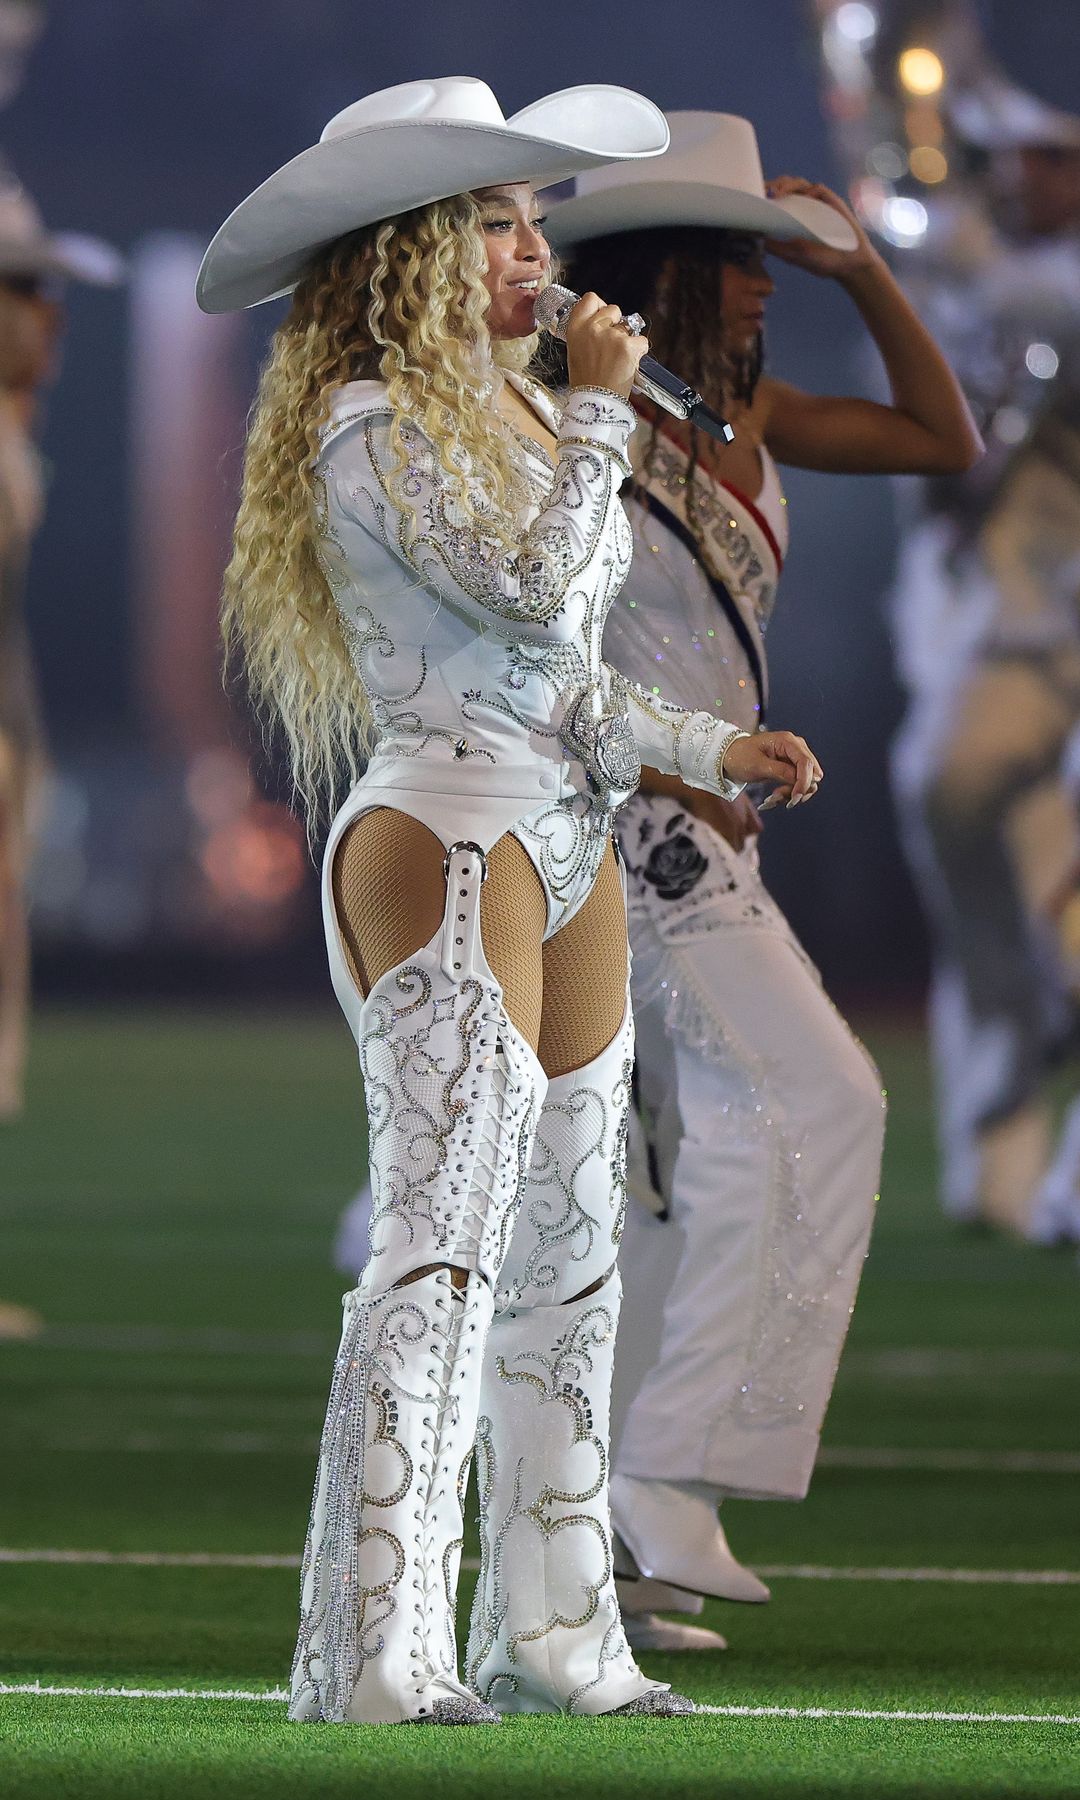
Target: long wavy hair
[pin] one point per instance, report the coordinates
(402, 301)
(675, 276)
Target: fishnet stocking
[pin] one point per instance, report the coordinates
(585, 969)
(390, 891)
(566, 997)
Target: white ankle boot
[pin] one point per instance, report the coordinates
(641, 1602)
(672, 1532)
(546, 1633)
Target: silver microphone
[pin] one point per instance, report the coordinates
(554, 306)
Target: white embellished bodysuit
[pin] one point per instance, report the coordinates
(493, 708)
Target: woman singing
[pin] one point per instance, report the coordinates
(425, 554)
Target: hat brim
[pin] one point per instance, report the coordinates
(343, 183)
(1010, 119)
(643, 205)
(67, 256)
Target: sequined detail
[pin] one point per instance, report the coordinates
(807, 1264)
(545, 1598)
(565, 842)
(460, 1712)
(603, 742)
(570, 1224)
(655, 1705)
(691, 745)
(383, 1511)
(477, 638)
(450, 1117)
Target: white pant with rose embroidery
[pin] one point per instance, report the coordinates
(763, 1119)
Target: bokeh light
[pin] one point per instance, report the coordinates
(921, 71)
(928, 164)
(904, 221)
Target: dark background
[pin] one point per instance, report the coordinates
(139, 118)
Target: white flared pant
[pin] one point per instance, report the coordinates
(764, 1123)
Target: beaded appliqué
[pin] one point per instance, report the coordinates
(555, 1377)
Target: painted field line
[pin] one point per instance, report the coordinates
(913, 1362)
(199, 1559)
(948, 1461)
(151, 1559)
(292, 1443)
(903, 1362)
(198, 1340)
(963, 1577)
(46, 1690)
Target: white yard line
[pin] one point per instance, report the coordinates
(175, 1340)
(210, 1559)
(963, 1577)
(950, 1461)
(897, 1459)
(278, 1695)
(914, 1362)
(900, 1362)
(151, 1559)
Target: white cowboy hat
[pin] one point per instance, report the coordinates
(711, 175)
(28, 250)
(403, 147)
(997, 116)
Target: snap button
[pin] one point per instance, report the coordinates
(547, 781)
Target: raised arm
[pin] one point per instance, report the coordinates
(927, 430)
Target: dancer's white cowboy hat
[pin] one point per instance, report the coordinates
(403, 147)
(997, 116)
(710, 175)
(29, 251)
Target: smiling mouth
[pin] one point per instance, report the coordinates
(532, 286)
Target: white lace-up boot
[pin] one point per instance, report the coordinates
(546, 1632)
(453, 1092)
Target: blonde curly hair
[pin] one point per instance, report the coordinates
(403, 301)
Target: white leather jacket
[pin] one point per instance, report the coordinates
(483, 669)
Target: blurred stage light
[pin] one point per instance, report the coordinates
(928, 164)
(1010, 425)
(904, 221)
(889, 161)
(257, 860)
(1043, 361)
(855, 21)
(920, 71)
(218, 786)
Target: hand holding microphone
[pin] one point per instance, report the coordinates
(601, 349)
(586, 326)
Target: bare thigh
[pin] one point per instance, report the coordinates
(584, 977)
(389, 893)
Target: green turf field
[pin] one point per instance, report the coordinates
(167, 1205)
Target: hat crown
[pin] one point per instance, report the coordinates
(719, 149)
(20, 221)
(454, 98)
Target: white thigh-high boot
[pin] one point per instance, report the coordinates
(452, 1093)
(546, 1634)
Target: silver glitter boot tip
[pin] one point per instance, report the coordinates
(459, 1711)
(655, 1704)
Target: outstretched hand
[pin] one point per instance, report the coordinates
(807, 253)
(780, 758)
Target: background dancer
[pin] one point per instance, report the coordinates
(984, 606)
(425, 554)
(764, 1115)
(33, 265)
